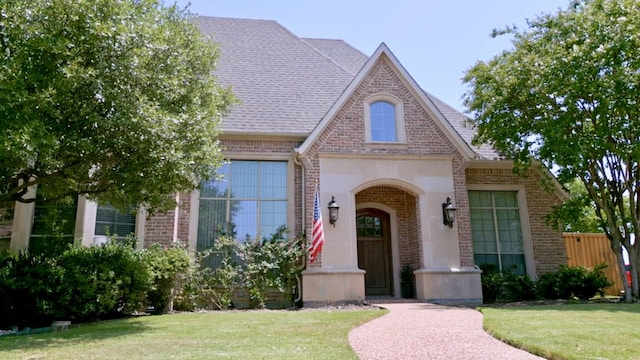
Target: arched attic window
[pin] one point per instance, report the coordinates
(384, 119)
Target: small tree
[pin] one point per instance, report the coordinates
(566, 95)
(112, 98)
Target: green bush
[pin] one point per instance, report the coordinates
(28, 290)
(101, 282)
(274, 262)
(573, 282)
(260, 267)
(212, 287)
(166, 267)
(517, 288)
(491, 281)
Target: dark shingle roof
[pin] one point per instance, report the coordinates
(286, 83)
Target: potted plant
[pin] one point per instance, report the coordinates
(407, 281)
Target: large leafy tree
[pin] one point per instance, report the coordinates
(110, 98)
(568, 95)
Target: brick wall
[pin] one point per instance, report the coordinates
(159, 229)
(548, 244)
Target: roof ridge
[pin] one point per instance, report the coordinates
(321, 53)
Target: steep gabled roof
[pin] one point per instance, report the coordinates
(285, 84)
(288, 84)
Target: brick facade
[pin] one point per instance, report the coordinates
(548, 245)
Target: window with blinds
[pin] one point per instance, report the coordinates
(111, 222)
(249, 201)
(496, 230)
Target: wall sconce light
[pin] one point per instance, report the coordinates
(333, 211)
(448, 212)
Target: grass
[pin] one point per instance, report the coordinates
(320, 334)
(575, 331)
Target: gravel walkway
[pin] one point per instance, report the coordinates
(428, 331)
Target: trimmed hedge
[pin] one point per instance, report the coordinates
(87, 283)
(568, 282)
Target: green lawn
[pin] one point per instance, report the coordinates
(576, 331)
(317, 334)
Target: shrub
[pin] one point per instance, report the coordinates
(166, 267)
(101, 282)
(261, 266)
(213, 287)
(407, 281)
(517, 287)
(491, 281)
(272, 263)
(28, 287)
(573, 281)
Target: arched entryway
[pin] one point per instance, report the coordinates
(374, 251)
(399, 236)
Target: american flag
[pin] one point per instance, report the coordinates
(318, 232)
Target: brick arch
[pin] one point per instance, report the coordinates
(403, 204)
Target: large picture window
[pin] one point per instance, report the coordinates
(496, 230)
(249, 201)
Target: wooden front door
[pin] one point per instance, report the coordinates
(374, 251)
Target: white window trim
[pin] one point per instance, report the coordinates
(86, 223)
(401, 137)
(525, 224)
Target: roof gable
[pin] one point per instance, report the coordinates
(428, 104)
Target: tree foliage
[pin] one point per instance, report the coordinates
(578, 214)
(568, 94)
(110, 98)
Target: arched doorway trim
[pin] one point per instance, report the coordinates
(401, 185)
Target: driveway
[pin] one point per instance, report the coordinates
(428, 331)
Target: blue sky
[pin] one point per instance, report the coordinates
(435, 40)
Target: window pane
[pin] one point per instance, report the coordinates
(245, 220)
(273, 214)
(480, 199)
(383, 121)
(211, 222)
(54, 217)
(273, 180)
(506, 199)
(216, 188)
(109, 221)
(256, 202)
(483, 231)
(244, 179)
(481, 259)
(509, 231)
(513, 262)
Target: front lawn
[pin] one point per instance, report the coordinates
(576, 331)
(304, 334)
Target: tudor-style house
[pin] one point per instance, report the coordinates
(316, 111)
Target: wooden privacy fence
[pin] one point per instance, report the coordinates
(589, 250)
